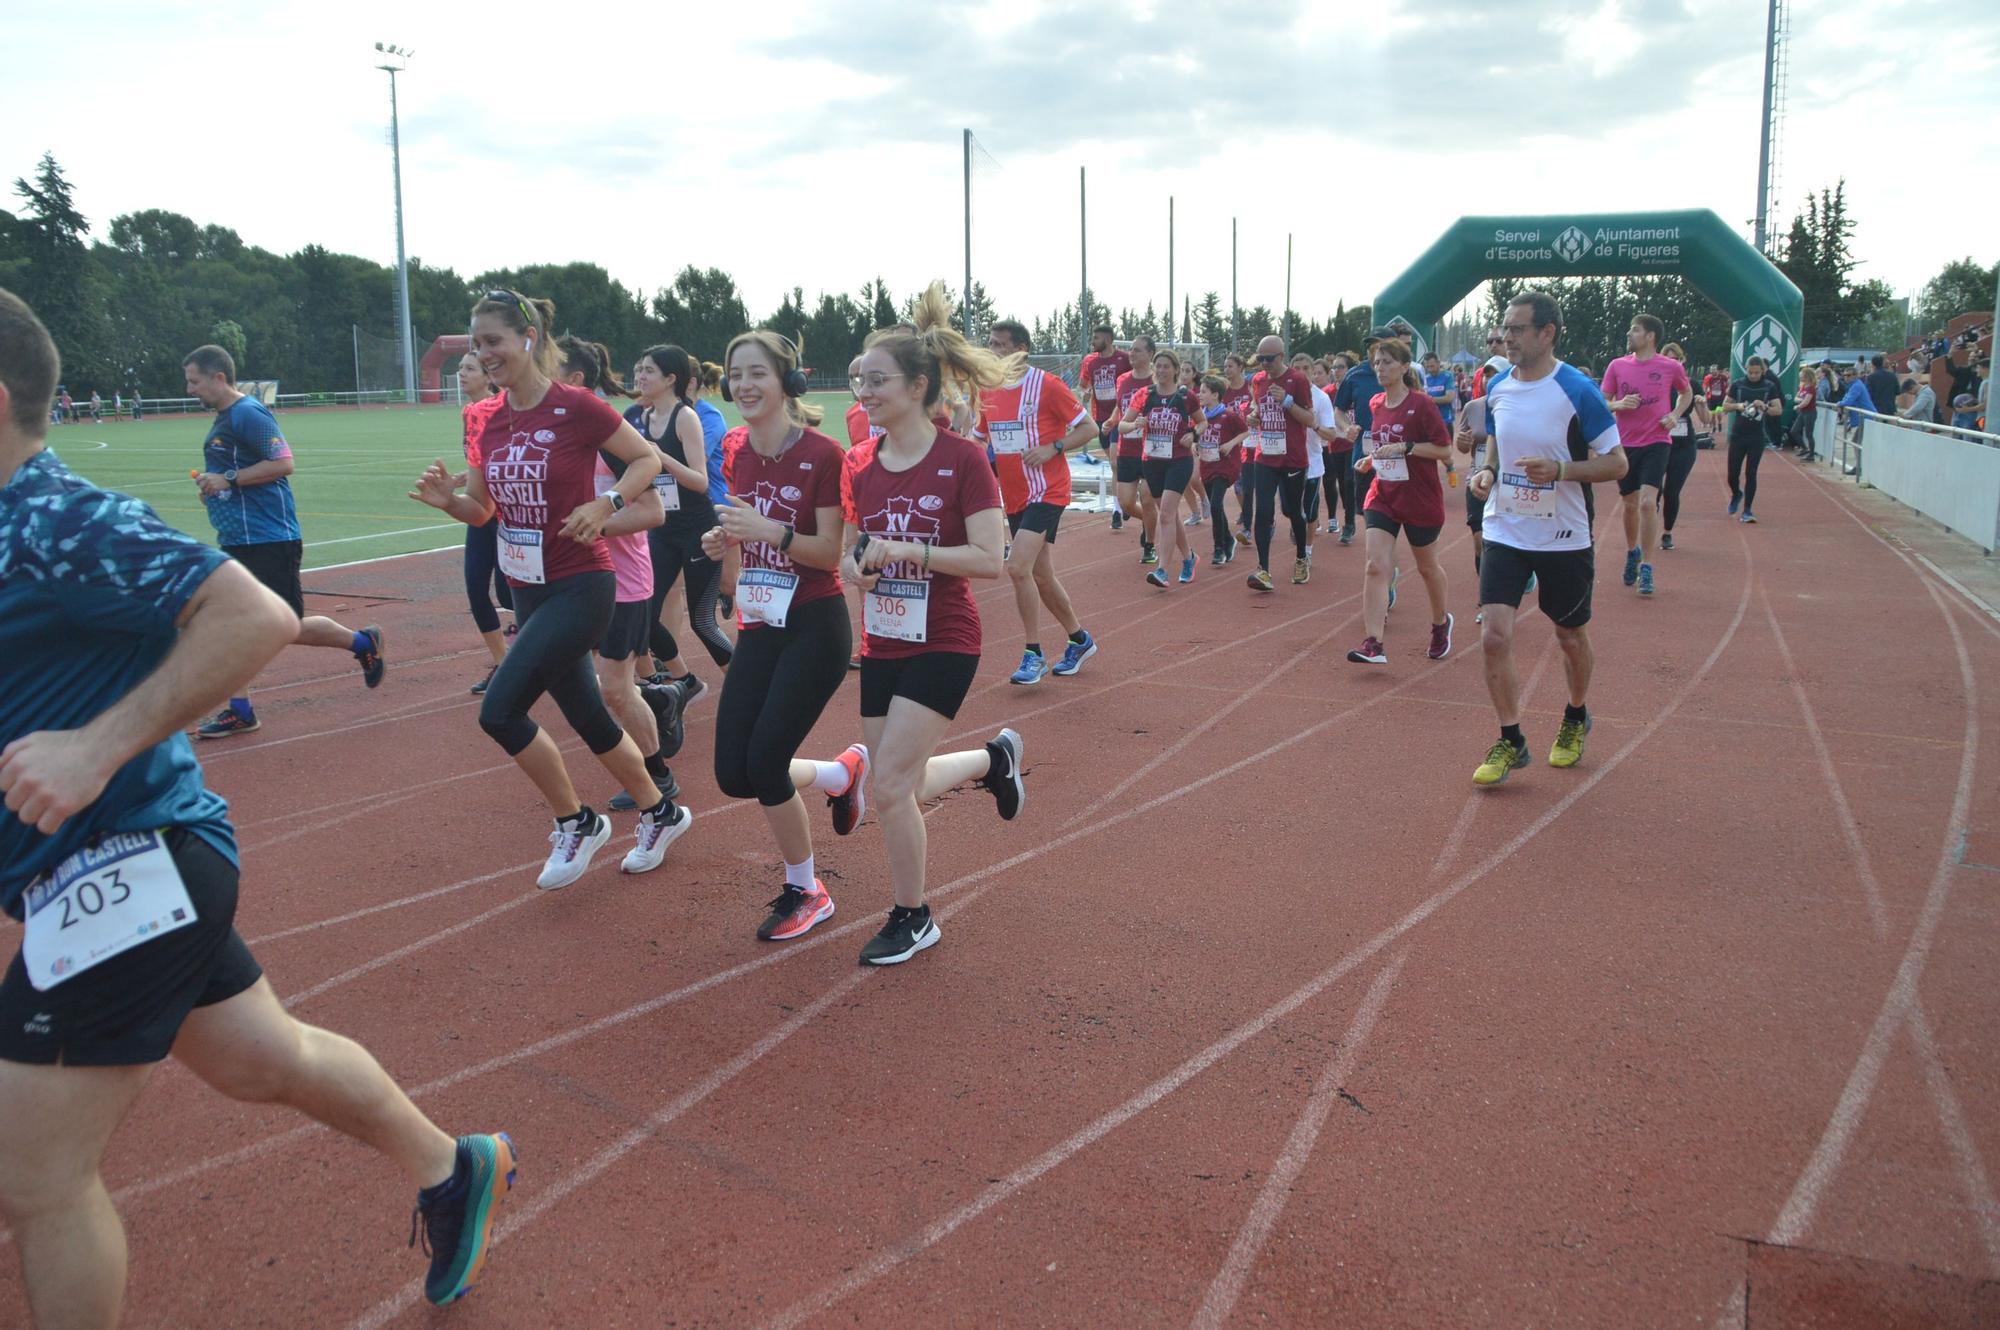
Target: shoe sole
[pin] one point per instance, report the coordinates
(800, 930)
(581, 864)
(251, 728)
(1450, 622)
(701, 691)
(659, 855)
(1077, 668)
(858, 794)
(505, 1168)
(922, 942)
(1016, 678)
(1016, 752)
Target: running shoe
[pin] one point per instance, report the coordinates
(692, 689)
(225, 723)
(479, 689)
(1242, 535)
(1370, 652)
(1004, 779)
(653, 836)
(1216, 560)
(1261, 580)
(1528, 589)
(1117, 520)
(455, 1218)
(372, 664)
(669, 707)
(512, 629)
(1441, 639)
(1568, 749)
(907, 933)
(851, 804)
(1749, 518)
(1302, 571)
(1187, 570)
(1501, 759)
(1631, 567)
(1735, 502)
(794, 912)
(1033, 667)
(572, 844)
(1347, 534)
(1074, 654)
(1147, 554)
(1666, 540)
(623, 802)
(1157, 578)
(1645, 579)
(1194, 519)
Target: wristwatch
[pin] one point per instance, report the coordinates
(230, 476)
(617, 500)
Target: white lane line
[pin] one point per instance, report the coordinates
(1958, 1136)
(367, 910)
(412, 711)
(1455, 838)
(1227, 1286)
(385, 558)
(382, 535)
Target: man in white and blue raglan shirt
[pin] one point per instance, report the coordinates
(1553, 437)
(116, 630)
(243, 484)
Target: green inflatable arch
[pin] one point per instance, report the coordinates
(1768, 310)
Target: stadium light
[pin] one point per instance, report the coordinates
(395, 61)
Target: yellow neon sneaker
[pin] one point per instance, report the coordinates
(1568, 750)
(1502, 758)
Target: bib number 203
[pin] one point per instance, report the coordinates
(91, 897)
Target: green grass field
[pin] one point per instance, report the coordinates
(355, 469)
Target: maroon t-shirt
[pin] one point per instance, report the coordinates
(790, 488)
(1130, 385)
(927, 503)
(1214, 435)
(1166, 416)
(540, 465)
(1270, 416)
(1418, 501)
(1097, 381)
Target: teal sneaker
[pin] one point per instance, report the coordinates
(456, 1217)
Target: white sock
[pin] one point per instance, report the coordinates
(800, 876)
(830, 778)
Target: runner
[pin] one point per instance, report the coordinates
(930, 520)
(482, 543)
(1132, 495)
(244, 489)
(1317, 471)
(1339, 481)
(1220, 449)
(1350, 406)
(1649, 394)
(1164, 414)
(1753, 399)
(1552, 437)
(1406, 441)
(1440, 387)
(124, 866)
(1680, 461)
(1098, 378)
(793, 637)
(859, 431)
(1281, 401)
(1032, 425)
(1236, 396)
(538, 458)
(1194, 495)
(1473, 442)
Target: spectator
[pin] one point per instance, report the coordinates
(96, 405)
(66, 405)
(1882, 385)
(1965, 411)
(138, 411)
(1923, 402)
(1807, 402)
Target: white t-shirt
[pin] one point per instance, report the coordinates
(1316, 446)
(1540, 419)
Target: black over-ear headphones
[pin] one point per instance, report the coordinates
(793, 381)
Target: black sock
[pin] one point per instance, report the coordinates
(660, 811)
(656, 767)
(998, 767)
(1573, 713)
(1512, 734)
(1079, 637)
(1035, 647)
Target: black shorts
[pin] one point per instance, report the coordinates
(1167, 475)
(1042, 518)
(1566, 578)
(630, 625)
(1418, 536)
(275, 563)
(1131, 470)
(127, 1011)
(1645, 466)
(1475, 509)
(937, 679)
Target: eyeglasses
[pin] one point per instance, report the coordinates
(1265, 360)
(872, 382)
(1493, 341)
(516, 299)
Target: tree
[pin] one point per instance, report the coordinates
(56, 279)
(979, 306)
(881, 308)
(228, 334)
(701, 311)
(1211, 325)
(1961, 287)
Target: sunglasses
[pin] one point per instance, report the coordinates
(519, 302)
(1265, 360)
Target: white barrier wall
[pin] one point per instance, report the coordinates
(1951, 479)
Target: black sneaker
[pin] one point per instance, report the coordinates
(455, 1218)
(907, 933)
(623, 802)
(479, 689)
(668, 705)
(372, 664)
(1117, 520)
(1004, 779)
(692, 689)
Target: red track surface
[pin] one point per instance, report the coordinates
(1260, 1014)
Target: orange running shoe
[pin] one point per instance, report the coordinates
(794, 912)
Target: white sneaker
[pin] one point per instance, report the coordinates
(572, 848)
(654, 838)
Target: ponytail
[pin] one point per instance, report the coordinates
(593, 361)
(677, 365)
(932, 348)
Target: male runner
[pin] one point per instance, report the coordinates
(1281, 409)
(1097, 381)
(1648, 393)
(1354, 417)
(117, 630)
(1031, 427)
(1552, 436)
(249, 500)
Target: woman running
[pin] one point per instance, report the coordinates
(1164, 415)
(1133, 499)
(930, 517)
(482, 543)
(1406, 440)
(538, 449)
(1219, 446)
(1194, 495)
(1680, 458)
(1236, 396)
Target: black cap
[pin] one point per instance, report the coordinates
(1379, 334)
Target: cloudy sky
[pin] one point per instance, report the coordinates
(818, 144)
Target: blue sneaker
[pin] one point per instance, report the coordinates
(1033, 667)
(1187, 569)
(1631, 567)
(1645, 579)
(456, 1216)
(1735, 502)
(1074, 654)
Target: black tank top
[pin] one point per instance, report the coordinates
(696, 513)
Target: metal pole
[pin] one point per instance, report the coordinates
(404, 337)
(1764, 141)
(1286, 321)
(1235, 314)
(968, 235)
(1083, 261)
(356, 329)
(1170, 267)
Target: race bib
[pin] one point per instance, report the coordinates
(900, 609)
(521, 555)
(764, 595)
(1388, 468)
(1010, 437)
(1106, 390)
(104, 899)
(1211, 452)
(669, 491)
(1271, 443)
(1514, 495)
(1160, 445)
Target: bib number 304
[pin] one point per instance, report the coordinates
(104, 899)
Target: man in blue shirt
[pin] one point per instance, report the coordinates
(243, 484)
(1353, 416)
(117, 631)
(1440, 386)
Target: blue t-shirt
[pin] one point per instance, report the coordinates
(1438, 385)
(244, 434)
(713, 427)
(90, 585)
(1357, 390)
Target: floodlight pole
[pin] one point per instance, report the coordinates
(1286, 321)
(397, 61)
(1083, 261)
(1235, 315)
(1764, 140)
(968, 235)
(1170, 267)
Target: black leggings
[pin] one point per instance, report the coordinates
(1218, 493)
(1279, 487)
(1340, 482)
(561, 624)
(776, 688)
(482, 565)
(1680, 461)
(678, 554)
(1744, 456)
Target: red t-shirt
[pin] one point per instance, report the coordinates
(791, 488)
(1214, 435)
(540, 465)
(857, 457)
(1270, 417)
(1129, 386)
(858, 428)
(473, 417)
(1418, 501)
(927, 503)
(1166, 420)
(1098, 381)
(1036, 412)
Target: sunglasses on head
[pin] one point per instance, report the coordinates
(518, 300)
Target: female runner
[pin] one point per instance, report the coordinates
(1680, 460)
(1405, 442)
(482, 554)
(1164, 415)
(667, 419)
(1220, 448)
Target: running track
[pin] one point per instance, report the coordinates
(1259, 1015)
